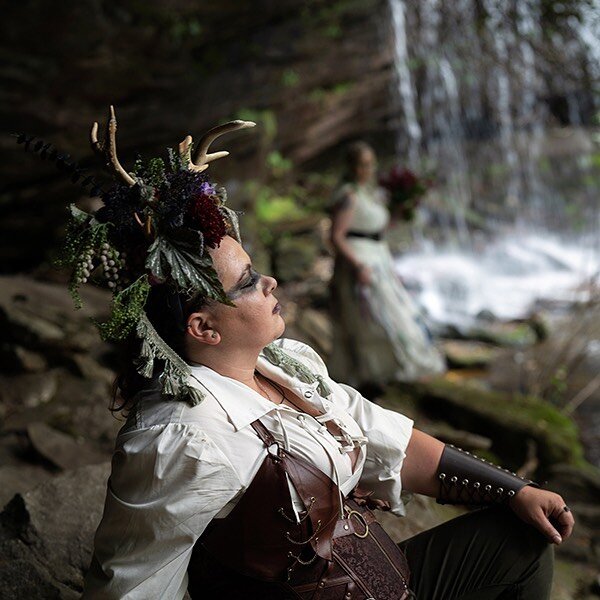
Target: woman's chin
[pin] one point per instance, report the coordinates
(282, 328)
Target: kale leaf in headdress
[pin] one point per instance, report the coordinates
(153, 228)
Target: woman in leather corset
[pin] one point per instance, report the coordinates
(243, 469)
(271, 414)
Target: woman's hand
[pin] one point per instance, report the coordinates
(545, 511)
(364, 275)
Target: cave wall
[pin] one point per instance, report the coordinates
(312, 73)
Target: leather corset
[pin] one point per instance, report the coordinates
(261, 550)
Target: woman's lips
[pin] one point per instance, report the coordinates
(277, 309)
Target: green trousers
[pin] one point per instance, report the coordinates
(487, 554)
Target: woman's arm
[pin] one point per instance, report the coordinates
(543, 509)
(341, 219)
(419, 470)
(166, 484)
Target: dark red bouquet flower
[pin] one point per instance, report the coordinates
(406, 190)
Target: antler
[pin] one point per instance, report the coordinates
(202, 157)
(109, 152)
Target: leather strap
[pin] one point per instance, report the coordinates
(263, 433)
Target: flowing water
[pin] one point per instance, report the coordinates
(495, 99)
(508, 278)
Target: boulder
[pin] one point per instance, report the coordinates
(46, 535)
(61, 449)
(510, 420)
(293, 257)
(464, 354)
(497, 333)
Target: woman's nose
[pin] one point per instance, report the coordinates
(270, 284)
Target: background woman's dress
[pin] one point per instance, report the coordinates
(378, 332)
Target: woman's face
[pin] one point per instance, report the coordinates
(364, 169)
(255, 320)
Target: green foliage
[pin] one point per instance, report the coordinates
(152, 171)
(271, 208)
(328, 20)
(558, 385)
(183, 29)
(84, 240)
(323, 94)
(278, 165)
(265, 119)
(290, 78)
(190, 270)
(126, 309)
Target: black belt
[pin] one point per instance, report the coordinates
(361, 234)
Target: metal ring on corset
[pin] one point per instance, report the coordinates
(362, 520)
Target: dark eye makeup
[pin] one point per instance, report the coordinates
(246, 285)
(252, 280)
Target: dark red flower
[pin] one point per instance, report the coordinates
(204, 215)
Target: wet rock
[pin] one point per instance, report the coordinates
(486, 315)
(463, 439)
(294, 256)
(421, 513)
(463, 354)
(498, 333)
(61, 449)
(16, 359)
(316, 328)
(508, 419)
(28, 391)
(18, 479)
(87, 367)
(49, 532)
(40, 316)
(580, 484)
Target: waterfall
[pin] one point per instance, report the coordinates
(498, 104)
(405, 85)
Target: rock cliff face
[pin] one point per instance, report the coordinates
(311, 73)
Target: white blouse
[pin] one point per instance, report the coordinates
(175, 468)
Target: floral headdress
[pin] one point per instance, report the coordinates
(154, 228)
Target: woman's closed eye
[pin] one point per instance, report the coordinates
(252, 280)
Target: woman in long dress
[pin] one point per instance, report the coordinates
(378, 333)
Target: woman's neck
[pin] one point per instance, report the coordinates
(236, 364)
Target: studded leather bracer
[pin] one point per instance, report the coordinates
(468, 479)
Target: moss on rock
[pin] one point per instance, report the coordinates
(510, 420)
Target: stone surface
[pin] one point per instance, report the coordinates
(28, 391)
(46, 535)
(18, 479)
(508, 419)
(462, 354)
(298, 68)
(421, 513)
(61, 449)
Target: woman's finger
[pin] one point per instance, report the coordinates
(564, 521)
(544, 525)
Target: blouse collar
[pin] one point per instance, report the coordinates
(242, 404)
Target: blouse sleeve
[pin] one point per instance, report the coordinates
(341, 198)
(167, 483)
(388, 432)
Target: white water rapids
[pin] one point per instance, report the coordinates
(507, 278)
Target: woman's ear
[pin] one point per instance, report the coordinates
(199, 327)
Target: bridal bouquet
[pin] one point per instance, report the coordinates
(405, 191)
